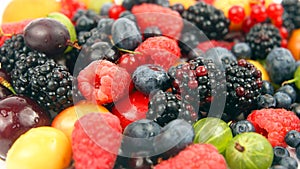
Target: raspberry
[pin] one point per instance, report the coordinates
(195, 156)
(161, 50)
(103, 81)
(131, 109)
(96, 139)
(168, 21)
(12, 28)
(274, 124)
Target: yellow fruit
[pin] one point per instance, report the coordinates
(40, 148)
(18, 10)
(185, 3)
(294, 44)
(258, 65)
(65, 120)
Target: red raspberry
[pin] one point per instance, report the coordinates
(274, 124)
(168, 21)
(160, 50)
(131, 109)
(204, 46)
(195, 156)
(96, 139)
(103, 81)
(12, 28)
(70, 7)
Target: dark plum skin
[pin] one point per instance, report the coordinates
(47, 36)
(125, 34)
(18, 114)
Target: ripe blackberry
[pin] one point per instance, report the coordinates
(209, 19)
(11, 50)
(243, 83)
(262, 38)
(45, 81)
(198, 82)
(292, 8)
(165, 107)
(288, 22)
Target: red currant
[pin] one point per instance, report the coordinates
(277, 21)
(284, 32)
(236, 14)
(258, 13)
(247, 24)
(284, 43)
(275, 10)
(115, 11)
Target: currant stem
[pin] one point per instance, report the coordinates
(289, 81)
(239, 147)
(124, 50)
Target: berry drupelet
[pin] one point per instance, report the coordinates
(165, 107)
(45, 81)
(262, 38)
(198, 81)
(209, 19)
(11, 50)
(292, 8)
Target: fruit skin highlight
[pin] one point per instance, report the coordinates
(40, 148)
(246, 151)
(213, 131)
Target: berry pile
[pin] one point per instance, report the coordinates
(152, 84)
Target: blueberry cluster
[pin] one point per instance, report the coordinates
(282, 157)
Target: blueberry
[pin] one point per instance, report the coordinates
(164, 3)
(267, 88)
(138, 138)
(295, 107)
(279, 153)
(280, 65)
(150, 78)
(298, 152)
(241, 50)
(290, 90)
(84, 23)
(105, 8)
(128, 15)
(289, 162)
(278, 167)
(195, 53)
(105, 25)
(283, 100)
(221, 56)
(241, 126)
(174, 137)
(178, 7)
(128, 4)
(151, 32)
(292, 138)
(266, 101)
(125, 34)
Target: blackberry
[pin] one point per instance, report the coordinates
(287, 22)
(243, 83)
(239, 84)
(198, 82)
(209, 19)
(262, 38)
(165, 107)
(11, 50)
(45, 81)
(292, 8)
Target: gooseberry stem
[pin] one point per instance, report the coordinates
(239, 147)
(289, 81)
(73, 44)
(124, 50)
